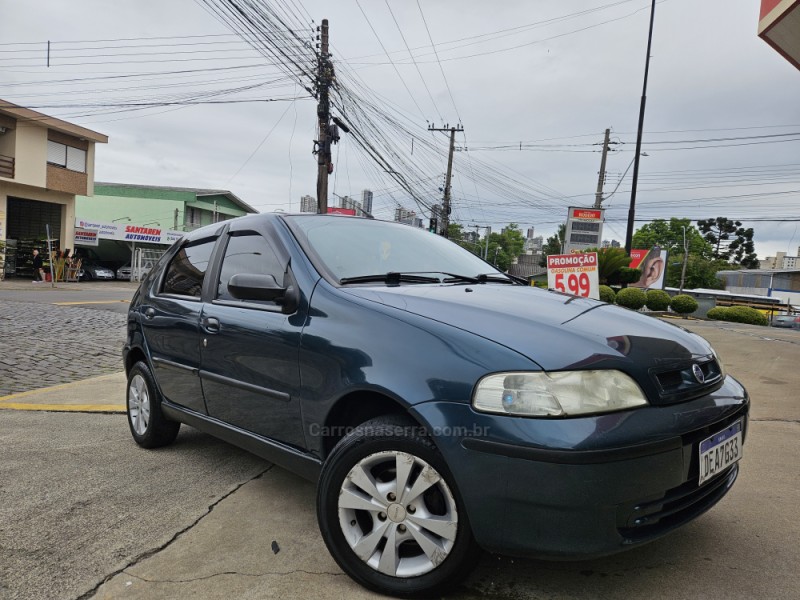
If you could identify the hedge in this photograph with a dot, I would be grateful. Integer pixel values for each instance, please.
(657, 300)
(607, 294)
(683, 304)
(633, 298)
(738, 314)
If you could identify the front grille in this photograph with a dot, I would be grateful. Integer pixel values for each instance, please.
(680, 384)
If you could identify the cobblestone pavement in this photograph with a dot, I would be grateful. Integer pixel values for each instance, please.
(43, 345)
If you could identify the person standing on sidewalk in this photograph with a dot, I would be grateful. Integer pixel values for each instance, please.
(38, 267)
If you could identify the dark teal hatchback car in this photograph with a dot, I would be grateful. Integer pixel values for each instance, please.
(440, 405)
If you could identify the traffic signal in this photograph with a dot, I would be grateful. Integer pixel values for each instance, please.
(433, 226)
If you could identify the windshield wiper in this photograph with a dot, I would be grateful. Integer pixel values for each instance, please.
(483, 278)
(390, 278)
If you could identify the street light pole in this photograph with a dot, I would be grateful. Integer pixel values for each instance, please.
(632, 209)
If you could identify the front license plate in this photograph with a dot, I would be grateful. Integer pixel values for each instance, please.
(720, 451)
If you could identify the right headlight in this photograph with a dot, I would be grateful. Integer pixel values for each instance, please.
(557, 394)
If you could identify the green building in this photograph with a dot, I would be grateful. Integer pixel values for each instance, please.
(110, 223)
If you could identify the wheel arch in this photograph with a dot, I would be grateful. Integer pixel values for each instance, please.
(356, 408)
(133, 356)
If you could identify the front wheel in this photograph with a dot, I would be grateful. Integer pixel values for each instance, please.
(149, 427)
(390, 513)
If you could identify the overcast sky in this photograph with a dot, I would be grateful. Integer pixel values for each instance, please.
(722, 126)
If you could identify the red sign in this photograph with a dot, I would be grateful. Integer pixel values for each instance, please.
(574, 274)
(636, 257)
(583, 213)
(334, 210)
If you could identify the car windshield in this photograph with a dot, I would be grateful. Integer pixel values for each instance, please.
(364, 250)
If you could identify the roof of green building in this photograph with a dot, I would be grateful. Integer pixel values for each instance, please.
(198, 192)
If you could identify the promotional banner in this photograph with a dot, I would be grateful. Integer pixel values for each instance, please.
(574, 274)
(653, 264)
(127, 232)
(86, 237)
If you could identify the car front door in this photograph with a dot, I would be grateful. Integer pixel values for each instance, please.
(249, 350)
(170, 319)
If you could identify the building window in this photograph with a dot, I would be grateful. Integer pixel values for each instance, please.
(65, 156)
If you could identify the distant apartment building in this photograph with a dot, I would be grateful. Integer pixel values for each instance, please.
(403, 215)
(349, 203)
(308, 204)
(366, 201)
(781, 261)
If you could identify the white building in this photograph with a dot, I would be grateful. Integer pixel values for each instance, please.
(308, 204)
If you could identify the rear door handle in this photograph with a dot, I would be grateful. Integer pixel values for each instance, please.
(211, 324)
(149, 313)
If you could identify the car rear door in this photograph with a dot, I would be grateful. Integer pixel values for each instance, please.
(170, 319)
(249, 350)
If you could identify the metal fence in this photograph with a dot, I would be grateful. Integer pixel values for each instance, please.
(144, 259)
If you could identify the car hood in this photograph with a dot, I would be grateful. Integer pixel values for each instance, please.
(557, 331)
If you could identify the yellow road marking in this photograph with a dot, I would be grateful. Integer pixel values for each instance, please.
(60, 386)
(91, 302)
(65, 407)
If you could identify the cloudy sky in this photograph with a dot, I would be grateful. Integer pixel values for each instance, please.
(534, 83)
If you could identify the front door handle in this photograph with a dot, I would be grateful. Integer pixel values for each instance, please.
(211, 324)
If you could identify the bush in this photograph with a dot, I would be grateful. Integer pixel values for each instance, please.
(633, 298)
(683, 304)
(627, 275)
(738, 314)
(657, 300)
(607, 294)
(718, 313)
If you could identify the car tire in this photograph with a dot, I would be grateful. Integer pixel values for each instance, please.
(149, 427)
(401, 539)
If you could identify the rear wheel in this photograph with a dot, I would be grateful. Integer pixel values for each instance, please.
(149, 427)
(390, 513)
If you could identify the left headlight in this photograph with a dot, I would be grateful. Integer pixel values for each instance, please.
(557, 394)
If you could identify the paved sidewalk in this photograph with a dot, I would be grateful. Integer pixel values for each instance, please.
(104, 394)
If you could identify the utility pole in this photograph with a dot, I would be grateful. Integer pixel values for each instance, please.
(635, 182)
(601, 179)
(323, 144)
(446, 209)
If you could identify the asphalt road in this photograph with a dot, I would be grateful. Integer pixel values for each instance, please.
(84, 513)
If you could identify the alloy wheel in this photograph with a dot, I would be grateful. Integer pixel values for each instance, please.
(397, 514)
(139, 404)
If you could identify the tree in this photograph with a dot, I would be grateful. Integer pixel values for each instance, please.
(700, 272)
(669, 236)
(504, 247)
(730, 241)
(609, 262)
(554, 244)
(742, 249)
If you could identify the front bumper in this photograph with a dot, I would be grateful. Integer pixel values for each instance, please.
(584, 487)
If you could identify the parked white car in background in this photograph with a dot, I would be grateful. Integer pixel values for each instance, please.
(124, 272)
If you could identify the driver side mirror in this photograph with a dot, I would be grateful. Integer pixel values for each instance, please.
(250, 286)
